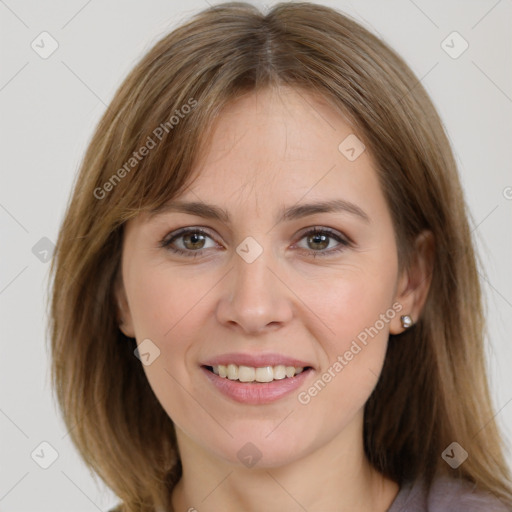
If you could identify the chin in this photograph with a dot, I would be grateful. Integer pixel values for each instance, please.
(259, 452)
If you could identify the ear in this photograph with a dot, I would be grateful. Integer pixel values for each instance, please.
(124, 317)
(414, 281)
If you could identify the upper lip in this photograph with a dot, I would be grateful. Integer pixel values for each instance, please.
(255, 360)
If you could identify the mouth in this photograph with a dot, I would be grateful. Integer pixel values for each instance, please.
(250, 374)
(256, 385)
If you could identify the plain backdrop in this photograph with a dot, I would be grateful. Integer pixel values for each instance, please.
(49, 108)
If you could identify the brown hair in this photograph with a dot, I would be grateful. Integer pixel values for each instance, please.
(433, 389)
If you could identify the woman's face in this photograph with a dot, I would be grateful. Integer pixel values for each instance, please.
(255, 287)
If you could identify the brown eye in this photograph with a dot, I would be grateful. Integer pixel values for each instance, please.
(189, 242)
(319, 242)
(193, 241)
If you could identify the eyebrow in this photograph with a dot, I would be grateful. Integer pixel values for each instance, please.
(298, 211)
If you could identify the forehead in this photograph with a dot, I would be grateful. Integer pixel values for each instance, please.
(281, 142)
(290, 124)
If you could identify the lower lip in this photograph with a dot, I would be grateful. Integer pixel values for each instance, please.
(256, 393)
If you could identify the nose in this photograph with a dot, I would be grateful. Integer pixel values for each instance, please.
(255, 298)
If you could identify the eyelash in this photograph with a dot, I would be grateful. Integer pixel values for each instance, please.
(343, 242)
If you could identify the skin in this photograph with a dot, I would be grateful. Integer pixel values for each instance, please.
(270, 150)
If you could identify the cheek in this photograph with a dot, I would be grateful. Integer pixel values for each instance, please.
(166, 309)
(162, 301)
(358, 311)
(157, 303)
(352, 302)
(356, 305)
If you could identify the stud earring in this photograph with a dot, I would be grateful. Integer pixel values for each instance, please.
(406, 321)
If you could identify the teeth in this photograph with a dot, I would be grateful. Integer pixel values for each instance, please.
(250, 374)
(265, 374)
(279, 372)
(246, 373)
(232, 372)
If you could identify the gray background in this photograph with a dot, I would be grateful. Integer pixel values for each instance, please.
(50, 108)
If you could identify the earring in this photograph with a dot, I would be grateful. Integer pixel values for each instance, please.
(406, 321)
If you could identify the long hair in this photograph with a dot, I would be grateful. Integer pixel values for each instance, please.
(433, 389)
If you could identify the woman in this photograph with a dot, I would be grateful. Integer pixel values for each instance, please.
(265, 293)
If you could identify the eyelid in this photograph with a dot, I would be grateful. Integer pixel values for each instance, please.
(324, 229)
(343, 240)
(169, 237)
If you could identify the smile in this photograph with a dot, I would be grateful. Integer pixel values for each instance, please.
(250, 374)
(244, 387)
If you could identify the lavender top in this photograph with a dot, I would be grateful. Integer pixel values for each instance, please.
(446, 495)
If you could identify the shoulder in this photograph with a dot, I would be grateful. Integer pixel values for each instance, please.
(446, 494)
(454, 494)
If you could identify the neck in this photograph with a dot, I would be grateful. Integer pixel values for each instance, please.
(336, 476)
